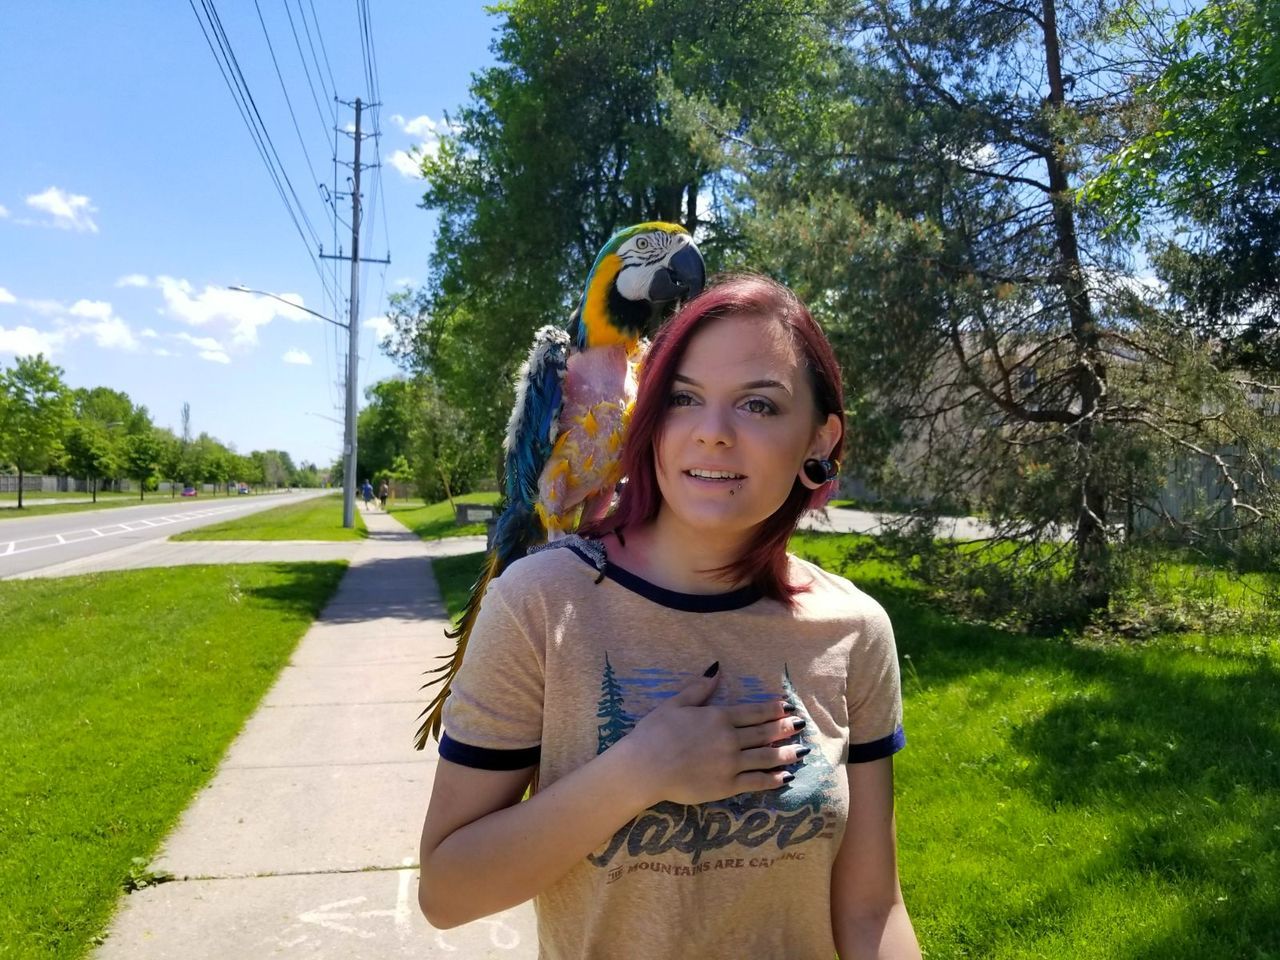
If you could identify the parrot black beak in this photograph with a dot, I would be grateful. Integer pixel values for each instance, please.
(682, 279)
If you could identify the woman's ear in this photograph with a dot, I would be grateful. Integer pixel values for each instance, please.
(826, 441)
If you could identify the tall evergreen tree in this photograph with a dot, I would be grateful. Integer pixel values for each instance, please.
(611, 710)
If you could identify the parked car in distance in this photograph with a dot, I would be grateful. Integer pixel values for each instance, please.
(188, 491)
(242, 489)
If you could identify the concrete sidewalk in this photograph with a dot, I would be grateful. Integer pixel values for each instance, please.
(306, 841)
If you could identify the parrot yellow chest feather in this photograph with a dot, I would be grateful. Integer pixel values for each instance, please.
(585, 463)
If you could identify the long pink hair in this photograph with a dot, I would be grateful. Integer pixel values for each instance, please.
(764, 563)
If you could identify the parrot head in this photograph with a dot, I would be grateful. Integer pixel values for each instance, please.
(640, 271)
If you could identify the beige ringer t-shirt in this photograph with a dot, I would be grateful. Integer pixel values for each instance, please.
(562, 664)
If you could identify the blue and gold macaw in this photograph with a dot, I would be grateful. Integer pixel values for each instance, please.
(573, 399)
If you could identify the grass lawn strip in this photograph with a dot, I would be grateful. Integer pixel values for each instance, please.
(436, 521)
(318, 518)
(42, 507)
(1060, 798)
(119, 694)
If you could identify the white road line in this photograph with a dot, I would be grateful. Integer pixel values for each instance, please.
(11, 547)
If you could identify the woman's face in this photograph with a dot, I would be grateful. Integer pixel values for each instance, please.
(740, 422)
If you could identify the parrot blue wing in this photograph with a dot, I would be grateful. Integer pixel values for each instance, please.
(534, 423)
(531, 436)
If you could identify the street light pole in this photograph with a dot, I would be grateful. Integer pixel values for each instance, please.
(262, 293)
(349, 453)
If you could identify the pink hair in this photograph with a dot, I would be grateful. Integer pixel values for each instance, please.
(764, 563)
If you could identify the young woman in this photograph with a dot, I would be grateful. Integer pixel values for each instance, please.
(708, 722)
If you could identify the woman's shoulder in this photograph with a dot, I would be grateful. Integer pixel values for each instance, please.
(554, 566)
(830, 595)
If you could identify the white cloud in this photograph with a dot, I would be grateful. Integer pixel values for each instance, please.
(428, 133)
(94, 309)
(381, 326)
(300, 357)
(162, 352)
(133, 280)
(24, 341)
(148, 333)
(409, 165)
(84, 318)
(4, 211)
(207, 347)
(200, 343)
(46, 308)
(242, 313)
(101, 323)
(418, 126)
(70, 211)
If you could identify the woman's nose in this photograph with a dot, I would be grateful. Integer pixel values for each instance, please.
(714, 428)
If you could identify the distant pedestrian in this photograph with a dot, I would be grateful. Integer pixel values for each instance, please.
(384, 491)
(366, 491)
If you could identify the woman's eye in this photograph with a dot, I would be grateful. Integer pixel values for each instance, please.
(756, 405)
(681, 400)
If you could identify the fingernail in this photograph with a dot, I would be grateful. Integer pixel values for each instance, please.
(788, 707)
(712, 670)
(798, 724)
(803, 752)
(788, 777)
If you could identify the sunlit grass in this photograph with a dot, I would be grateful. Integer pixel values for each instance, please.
(436, 520)
(317, 518)
(119, 693)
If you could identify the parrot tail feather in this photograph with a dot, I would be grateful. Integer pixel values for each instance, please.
(519, 528)
(433, 714)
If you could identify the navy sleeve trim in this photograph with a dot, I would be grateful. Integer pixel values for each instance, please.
(875, 750)
(484, 758)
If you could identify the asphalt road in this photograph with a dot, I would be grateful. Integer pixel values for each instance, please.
(30, 543)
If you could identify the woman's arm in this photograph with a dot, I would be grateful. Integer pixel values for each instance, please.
(483, 850)
(868, 918)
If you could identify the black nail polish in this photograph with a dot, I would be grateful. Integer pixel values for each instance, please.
(787, 778)
(798, 724)
(788, 708)
(712, 670)
(803, 752)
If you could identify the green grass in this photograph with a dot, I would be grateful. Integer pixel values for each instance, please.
(436, 520)
(119, 693)
(1068, 799)
(43, 507)
(455, 575)
(1061, 798)
(319, 518)
(30, 496)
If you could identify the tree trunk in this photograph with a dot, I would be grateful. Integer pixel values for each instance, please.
(444, 478)
(1092, 551)
(94, 482)
(19, 487)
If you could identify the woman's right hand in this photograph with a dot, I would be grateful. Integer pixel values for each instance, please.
(689, 752)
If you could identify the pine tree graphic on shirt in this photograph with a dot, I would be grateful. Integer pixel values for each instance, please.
(616, 722)
(814, 774)
(697, 830)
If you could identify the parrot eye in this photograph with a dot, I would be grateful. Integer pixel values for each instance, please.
(642, 243)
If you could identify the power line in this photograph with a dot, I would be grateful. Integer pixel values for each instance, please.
(324, 123)
(320, 36)
(216, 21)
(285, 90)
(228, 67)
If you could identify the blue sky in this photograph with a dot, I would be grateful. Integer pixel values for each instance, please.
(131, 195)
